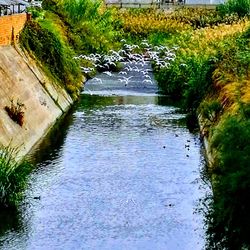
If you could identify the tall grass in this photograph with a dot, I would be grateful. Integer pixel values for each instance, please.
(79, 11)
(13, 177)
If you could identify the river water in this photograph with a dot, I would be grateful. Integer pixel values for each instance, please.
(121, 171)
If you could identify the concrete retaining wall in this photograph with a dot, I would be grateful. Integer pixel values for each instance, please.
(22, 80)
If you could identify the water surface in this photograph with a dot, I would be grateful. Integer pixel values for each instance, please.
(120, 172)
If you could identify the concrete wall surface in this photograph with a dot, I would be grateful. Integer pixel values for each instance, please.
(21, 80)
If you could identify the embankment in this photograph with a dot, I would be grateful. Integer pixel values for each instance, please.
(24, 86)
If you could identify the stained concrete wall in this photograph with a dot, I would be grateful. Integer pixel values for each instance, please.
(22, 80)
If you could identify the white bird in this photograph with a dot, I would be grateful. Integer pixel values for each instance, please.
(107, 73)
(147, 76)
(125, 80)
(122, 73)
(147, 81)
(98, 79)
(86, 70)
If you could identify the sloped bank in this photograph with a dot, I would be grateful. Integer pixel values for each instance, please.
(26, 90)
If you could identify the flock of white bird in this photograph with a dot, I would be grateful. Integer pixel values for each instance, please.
(134, 58)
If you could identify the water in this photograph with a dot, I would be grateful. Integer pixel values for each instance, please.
(120, 172)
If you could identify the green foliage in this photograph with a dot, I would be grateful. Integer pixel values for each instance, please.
(199, 82)
(78, 11)
(63, 29)
(187, 81)
(89, 25)
(229, 218)
(36, 12)
(240, 7)
(48, 46)
(172, 80)
(13, 176)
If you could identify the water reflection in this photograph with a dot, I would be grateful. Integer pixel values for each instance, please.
(50, 147)
(10, 221)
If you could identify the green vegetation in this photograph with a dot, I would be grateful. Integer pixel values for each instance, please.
(13, 177)
(239, 7)
(64, 29)
(229, 218)
(228, 225)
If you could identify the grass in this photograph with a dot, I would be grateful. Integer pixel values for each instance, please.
(13, 177)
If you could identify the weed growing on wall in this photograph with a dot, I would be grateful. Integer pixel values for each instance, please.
(16, 111)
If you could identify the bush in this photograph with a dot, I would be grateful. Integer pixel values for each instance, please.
(13, 176)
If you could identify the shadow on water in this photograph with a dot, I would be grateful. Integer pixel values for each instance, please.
(49, 147)
(10, 220)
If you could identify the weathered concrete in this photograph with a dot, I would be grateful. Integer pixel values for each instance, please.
(22, 80)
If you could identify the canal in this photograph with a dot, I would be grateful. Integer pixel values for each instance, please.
(121, 171)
